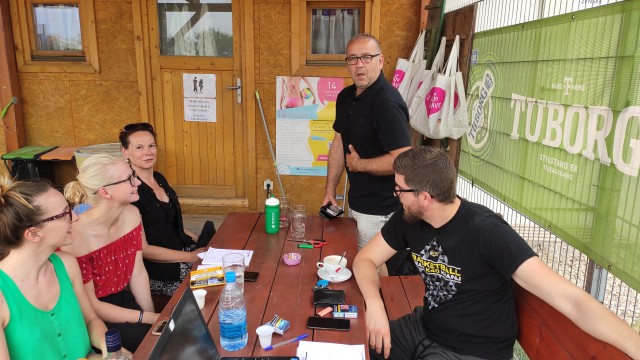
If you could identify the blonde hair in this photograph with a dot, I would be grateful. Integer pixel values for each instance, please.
(19, 210)
(94, 173)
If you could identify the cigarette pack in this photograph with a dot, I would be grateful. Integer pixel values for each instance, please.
(345, 311)
(279, 324)
(206, 277)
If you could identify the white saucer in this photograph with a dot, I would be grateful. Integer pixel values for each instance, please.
(344, 275)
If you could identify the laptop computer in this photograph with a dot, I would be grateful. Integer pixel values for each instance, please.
(187, 336)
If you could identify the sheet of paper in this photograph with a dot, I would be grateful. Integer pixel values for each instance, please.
(313, 350)
(200, 267)
(213, 256)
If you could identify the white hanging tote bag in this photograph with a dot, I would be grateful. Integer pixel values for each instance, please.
(406, 69)
(445, 104)
(417, 112)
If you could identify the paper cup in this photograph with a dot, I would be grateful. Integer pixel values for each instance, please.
(200, 295)
(264, 333)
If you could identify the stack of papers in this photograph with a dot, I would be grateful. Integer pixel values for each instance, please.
(213, 256)
(313, 350)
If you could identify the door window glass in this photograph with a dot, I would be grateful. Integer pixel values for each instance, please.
(195, 29)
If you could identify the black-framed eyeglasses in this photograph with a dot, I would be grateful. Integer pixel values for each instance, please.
(131, 179)
(352, 60)
(67, 212)
(137, 127)
(397, 191)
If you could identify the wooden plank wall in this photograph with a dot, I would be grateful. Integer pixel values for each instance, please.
(399, 27)
(68, 109)
(79, 109)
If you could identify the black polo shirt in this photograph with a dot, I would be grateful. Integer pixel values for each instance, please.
(375, 123)
(162, 226)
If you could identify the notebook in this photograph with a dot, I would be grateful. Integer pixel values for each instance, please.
(186, 336)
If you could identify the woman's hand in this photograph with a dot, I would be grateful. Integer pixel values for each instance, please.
(195, 253)
(149, 317)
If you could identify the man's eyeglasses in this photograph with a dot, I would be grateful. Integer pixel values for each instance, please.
(397, 191)
(352, 60)
(67, 212)
(137, 127)
(131, 179)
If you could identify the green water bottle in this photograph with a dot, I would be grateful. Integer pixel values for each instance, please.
(272, 215)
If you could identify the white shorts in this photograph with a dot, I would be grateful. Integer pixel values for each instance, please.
(368, 225)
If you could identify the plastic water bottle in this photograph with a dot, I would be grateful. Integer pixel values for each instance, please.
(272, 215)
(233, 315)
(114, 346)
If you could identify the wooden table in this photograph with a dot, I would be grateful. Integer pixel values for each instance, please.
(280, 289)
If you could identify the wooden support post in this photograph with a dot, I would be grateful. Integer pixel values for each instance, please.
(9, 85)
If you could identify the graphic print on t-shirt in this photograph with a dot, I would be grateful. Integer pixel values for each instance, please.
(440, 278)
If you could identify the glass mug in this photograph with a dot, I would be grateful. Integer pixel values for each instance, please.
(298, 221)
(285, 211)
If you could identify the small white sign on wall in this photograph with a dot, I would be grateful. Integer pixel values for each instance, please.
(199, 97)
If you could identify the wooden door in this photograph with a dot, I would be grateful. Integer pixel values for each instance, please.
(203, 161)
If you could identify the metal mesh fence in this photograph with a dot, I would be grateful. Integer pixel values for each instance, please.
(494, 14)
(560, 256)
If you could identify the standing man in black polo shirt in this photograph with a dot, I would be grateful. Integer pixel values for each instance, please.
(371, 129)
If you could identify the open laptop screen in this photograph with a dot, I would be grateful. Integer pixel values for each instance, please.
(186, 335)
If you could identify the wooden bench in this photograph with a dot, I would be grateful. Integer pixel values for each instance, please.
(544, 333)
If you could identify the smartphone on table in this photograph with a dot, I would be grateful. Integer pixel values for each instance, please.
(250, 276)
(157, 330)
(316, 322)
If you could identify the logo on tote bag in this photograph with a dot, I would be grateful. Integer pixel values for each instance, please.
(435, 98)
(398, 75)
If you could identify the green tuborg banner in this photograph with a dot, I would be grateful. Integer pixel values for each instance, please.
(554, 107)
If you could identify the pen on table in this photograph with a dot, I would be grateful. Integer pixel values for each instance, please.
(286, 342)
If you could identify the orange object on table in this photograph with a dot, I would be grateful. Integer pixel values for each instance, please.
(60, 153)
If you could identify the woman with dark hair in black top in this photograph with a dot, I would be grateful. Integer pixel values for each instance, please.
(171, 249)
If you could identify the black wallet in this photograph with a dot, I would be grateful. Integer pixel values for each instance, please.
(328, 297)
(329, 212)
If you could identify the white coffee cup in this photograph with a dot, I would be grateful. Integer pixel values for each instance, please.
(200, 295)
(333, 266)
(265, 332)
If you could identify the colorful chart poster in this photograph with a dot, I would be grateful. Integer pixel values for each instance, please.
(199, 97)
(305, 112)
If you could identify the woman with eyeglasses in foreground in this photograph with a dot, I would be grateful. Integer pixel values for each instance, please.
(108, 246)
(172, 249)
(44, 310)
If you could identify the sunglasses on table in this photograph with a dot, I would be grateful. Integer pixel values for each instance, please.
(67, 212)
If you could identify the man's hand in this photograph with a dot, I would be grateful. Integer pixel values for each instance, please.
(378, 331)
(353, 160)
(329, 198)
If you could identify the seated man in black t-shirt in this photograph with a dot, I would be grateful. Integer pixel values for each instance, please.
(467, 256)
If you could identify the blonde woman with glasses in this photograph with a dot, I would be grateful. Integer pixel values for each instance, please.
(44, 310)
(108, 246)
